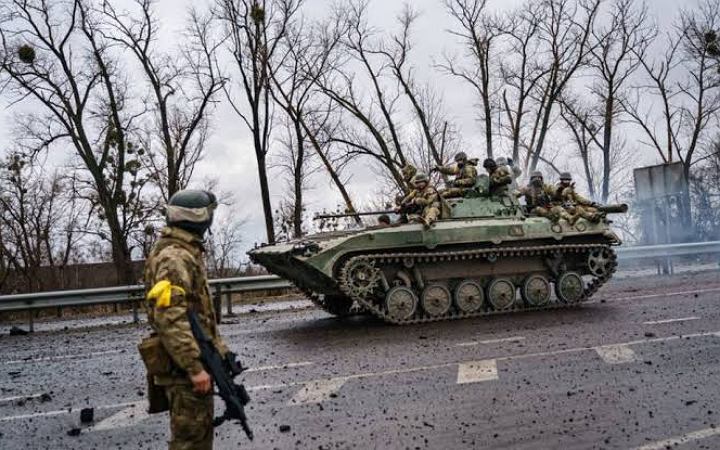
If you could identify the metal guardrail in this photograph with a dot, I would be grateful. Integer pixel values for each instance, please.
(229, 286)
(668, 250)
(133, 294)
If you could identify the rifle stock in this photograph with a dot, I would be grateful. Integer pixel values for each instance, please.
(222, 371)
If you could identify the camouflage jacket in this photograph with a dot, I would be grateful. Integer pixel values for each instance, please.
(465, 176)
(537, 196)
(500, 179)
(426, 198)
(567, 195)
(178, 257)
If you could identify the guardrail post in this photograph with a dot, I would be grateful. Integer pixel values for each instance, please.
(136, 317)
(217, 303)
(31, 322)
(228, 299)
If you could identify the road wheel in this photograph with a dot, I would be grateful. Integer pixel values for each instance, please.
(401, 303)
(600, 262)
(501, 293)
(536, 291)
(469, 296)
(569, 287)
(436, 300)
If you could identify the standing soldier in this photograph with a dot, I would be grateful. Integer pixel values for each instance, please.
(176, 279)
(500, 177)
(538, 198)
(465, 175)
(425, 198)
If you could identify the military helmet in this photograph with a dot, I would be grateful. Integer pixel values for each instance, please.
(565, 176)
(420, 177)
(191, 210)
(502, 161)
(489, 163)
(536, 174)
(460, 157)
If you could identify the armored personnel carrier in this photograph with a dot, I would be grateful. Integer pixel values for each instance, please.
(472, 262)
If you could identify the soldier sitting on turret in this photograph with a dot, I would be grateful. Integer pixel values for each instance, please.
(514, 171)
(424, 199)
(500, 177)
(539, 200)
(575, 203)
(465, 175)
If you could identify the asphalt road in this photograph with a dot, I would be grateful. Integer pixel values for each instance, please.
(637, 367)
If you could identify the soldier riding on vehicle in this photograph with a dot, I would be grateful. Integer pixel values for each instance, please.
(500, 177)
(573, 202)
(465, 175)
(539, 200)
(423, 201)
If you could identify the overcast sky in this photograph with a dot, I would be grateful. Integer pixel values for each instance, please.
(230, 156)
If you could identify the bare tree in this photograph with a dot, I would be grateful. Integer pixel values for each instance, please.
(477, 32)
(39, 219)
(223, 244)
(307, 52)
(54, 53)
(183, 86)
(684, 83)
(255, 30)
(616, 51)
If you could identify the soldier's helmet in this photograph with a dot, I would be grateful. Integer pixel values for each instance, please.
(489, 163)
(502, 161)
(461, 157)
(536, 174)
(191, 210)
(420, 178)
(565, 176)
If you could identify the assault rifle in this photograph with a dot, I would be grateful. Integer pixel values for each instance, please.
(222, 371)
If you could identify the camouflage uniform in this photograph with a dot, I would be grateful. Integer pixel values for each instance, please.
(465, 178)
(426, 199)
(500, 180)
(580, 206)
(539, 201)
(178, 257)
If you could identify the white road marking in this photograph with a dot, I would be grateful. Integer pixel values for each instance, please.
(64, 411)
(124, 418)
(682, 439)
(490, 341)
(20, 397)
(666, 294)
(63, 357)
(616, 354)
(280, 366)
(681, 319)
(477, 371)
(317, 391)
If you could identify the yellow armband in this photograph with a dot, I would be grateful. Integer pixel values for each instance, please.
(161, 293)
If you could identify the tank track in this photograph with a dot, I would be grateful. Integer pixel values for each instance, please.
(440, 256)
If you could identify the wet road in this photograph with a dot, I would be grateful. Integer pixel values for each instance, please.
(637, 367)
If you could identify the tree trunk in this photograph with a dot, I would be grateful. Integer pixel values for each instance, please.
(607, 142)
(298, 179)
(265, 195)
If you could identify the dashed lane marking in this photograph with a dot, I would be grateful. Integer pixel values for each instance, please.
(20, 397)
(124, 418)
(63, 357)
(682, 439)
(317, 391)
(681, 319)
(490, 341)
(64, 411)
(280, 366)
(616, 354)
(665, 294)
(477, 371)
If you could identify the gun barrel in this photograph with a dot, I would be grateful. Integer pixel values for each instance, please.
(352, 214)
(614, 209)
